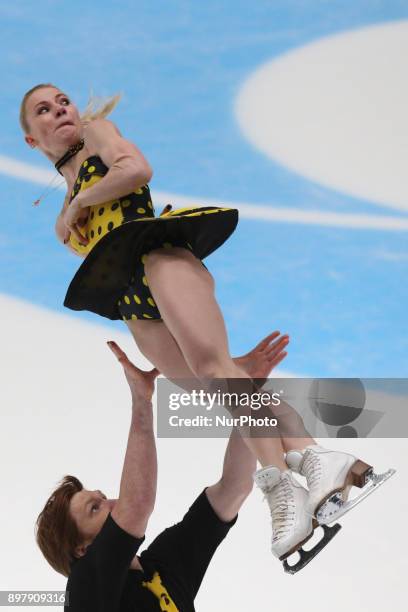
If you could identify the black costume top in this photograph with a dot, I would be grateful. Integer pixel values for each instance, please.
(174, 565)
(101, 580)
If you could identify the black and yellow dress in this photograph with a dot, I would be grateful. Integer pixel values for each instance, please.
(111, 280)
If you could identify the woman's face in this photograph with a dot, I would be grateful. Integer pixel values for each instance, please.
(53, 120)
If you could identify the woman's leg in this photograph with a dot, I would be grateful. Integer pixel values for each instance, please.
(157, 344)
(184, 293)
(226, 496)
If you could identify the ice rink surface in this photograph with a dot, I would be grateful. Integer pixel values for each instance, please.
(294, 112)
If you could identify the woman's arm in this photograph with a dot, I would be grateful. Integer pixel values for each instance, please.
(128, 168)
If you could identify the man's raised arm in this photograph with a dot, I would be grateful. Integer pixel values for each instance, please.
(139, 475)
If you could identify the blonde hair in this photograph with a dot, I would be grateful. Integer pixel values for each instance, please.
(99, 107)
(96, 108)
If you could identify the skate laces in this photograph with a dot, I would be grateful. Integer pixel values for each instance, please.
(312, 468)
(281, 502)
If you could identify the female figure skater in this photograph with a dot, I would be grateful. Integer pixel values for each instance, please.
(148, 271)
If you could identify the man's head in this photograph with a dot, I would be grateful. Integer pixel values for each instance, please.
(70, 520)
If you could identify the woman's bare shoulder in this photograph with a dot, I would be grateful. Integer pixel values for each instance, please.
(99, 127)
(102, 137)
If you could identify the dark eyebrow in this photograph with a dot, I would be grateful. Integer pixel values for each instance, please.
(45, 101)
(86, 504)
(91, 500)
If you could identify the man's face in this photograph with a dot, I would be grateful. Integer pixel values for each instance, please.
(90, 510)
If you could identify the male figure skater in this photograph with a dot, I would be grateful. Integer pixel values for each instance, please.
(94, 540)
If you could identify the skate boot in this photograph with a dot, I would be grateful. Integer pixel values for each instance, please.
(330, 476)
(291, 525)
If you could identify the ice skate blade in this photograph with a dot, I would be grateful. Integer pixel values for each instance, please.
(307, 555)
(335, 506)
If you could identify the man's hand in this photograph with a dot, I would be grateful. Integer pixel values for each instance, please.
(141, 382)
(266, 355)
(258, 364)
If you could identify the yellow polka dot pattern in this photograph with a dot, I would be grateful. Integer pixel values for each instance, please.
(137, 303)
(105, 217)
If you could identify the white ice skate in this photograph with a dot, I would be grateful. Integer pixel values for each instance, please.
(291, 525)
(330, 476)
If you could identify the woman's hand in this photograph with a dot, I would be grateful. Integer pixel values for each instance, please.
(141, 382)
(64, 234)
(61, 229)
(76, 216)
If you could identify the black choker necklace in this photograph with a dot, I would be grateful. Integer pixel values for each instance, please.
(73, 150)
